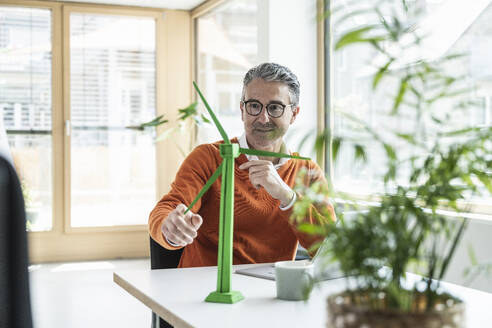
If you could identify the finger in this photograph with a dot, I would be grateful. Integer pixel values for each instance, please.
(178, 235)
(185, 227)
(261, 173)
(258, 177)
(188, 219)
(197, 221)
(181, 208)
(251, 163)
(259, 168)
(255, 182)
(172, 237)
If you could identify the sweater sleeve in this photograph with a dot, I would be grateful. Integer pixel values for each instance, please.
(318, 213)
(195, 171)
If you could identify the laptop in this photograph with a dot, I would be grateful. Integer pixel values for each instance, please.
(323, 271)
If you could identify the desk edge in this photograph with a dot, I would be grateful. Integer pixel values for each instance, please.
(150, 303)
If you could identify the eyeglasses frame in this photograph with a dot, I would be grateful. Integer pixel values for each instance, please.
(264, 106)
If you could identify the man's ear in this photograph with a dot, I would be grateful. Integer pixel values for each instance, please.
(294, 114)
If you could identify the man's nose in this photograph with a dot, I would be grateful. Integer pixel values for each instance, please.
(263, 117)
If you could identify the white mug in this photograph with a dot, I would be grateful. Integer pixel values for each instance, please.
(294, 279)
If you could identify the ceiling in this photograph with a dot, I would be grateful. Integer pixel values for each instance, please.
(167, 4)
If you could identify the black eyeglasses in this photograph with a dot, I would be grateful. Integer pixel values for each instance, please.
(254, 108)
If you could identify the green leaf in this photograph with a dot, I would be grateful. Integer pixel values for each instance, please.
(454, 56)
(401, 93)
(459, 132)
(269, 153)
(152, 123)
(405, 5)
(485, 179)
(209, 183)
(380, 73)
(357, 35)
(155, 122)
(337, 142)
(436, 119)
(205, 119)
(390, 151)
(321, 141)
(214, 118)
(311, 229)
(471, 255)
(360, 153)
(407, 137)
(189, 111)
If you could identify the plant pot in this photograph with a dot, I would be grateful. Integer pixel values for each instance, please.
(342, 312)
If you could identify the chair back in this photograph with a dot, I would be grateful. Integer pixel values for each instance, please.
(162, 258)
(15, 305)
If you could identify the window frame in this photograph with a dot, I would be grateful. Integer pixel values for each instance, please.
(83, 9)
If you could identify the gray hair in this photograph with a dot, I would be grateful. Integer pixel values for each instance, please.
(271, 72)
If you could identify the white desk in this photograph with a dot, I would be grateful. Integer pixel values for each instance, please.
(177, 295)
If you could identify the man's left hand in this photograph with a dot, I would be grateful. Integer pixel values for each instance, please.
(263, 174)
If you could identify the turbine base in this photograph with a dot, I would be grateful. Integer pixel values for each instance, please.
(228, 298)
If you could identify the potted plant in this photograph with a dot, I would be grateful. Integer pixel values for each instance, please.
(186, 116)
(408, 230)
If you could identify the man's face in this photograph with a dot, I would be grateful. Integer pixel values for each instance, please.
(264, 130)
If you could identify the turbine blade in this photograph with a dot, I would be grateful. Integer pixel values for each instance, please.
(268, 153)
(214, 118)
(209, 183)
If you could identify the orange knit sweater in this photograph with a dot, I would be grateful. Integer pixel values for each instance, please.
(262, 231)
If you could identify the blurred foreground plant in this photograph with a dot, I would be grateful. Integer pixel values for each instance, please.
(449, 162)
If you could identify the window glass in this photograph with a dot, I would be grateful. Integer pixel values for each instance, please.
(112, 87)
(25, 106)
(354, 67)
(239, 34)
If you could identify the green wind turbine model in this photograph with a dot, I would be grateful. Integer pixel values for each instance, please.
(228, 151)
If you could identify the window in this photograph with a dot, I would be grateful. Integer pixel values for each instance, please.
(75, 81)
(25, 106)
(112, 86)
(239, 34)
(352, 90)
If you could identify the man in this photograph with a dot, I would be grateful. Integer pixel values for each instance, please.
(263, 195)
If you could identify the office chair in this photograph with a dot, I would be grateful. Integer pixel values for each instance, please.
(15, 305)
(161, 258)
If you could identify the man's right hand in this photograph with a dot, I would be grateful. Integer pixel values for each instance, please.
(180, 228)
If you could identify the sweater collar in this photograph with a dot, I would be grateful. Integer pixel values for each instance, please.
(243, 143)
